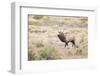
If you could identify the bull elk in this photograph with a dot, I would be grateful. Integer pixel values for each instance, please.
(65, 39)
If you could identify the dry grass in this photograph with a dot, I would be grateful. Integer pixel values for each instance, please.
(44, 43)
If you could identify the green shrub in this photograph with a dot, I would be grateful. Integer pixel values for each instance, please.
(48, 53)
(33, 56)
(38, 17)
(79, 51)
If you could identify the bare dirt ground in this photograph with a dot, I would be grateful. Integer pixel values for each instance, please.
(44, 43)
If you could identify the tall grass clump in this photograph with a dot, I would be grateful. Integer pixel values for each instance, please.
(39, 44)
(46, 53)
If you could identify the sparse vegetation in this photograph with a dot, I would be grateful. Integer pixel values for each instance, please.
(38, 17)
(44, 43)
(39, 44)
(46, 53)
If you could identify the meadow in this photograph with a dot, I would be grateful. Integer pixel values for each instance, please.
(44, 43)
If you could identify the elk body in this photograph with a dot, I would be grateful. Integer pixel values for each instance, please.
(64, 38)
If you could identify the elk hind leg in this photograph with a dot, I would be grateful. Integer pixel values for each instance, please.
(73, 43)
